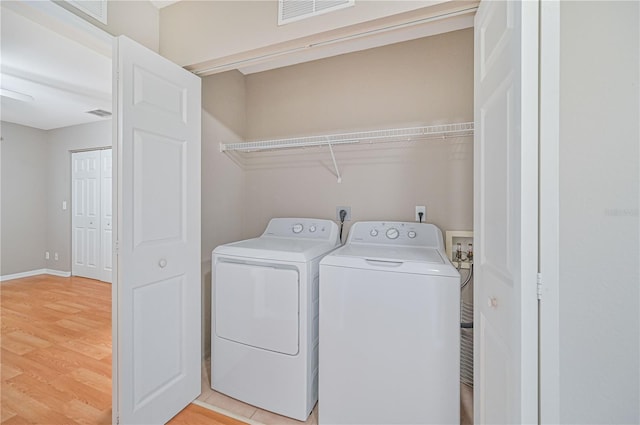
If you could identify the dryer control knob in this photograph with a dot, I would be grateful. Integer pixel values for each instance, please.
(411, 234)
(312, 228)
(374, 232)
(393, 233)
(297, 228)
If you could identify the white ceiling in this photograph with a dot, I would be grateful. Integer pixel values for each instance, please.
(64, 78)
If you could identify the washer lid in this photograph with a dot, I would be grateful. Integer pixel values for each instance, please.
(276, 248)
(399, 259)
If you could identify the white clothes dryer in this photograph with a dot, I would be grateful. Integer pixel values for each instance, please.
(389, 328)
(264, 334)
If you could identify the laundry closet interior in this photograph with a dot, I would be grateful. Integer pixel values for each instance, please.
(422, 82)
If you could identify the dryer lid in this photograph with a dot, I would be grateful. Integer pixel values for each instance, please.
(287, 239)
(275, 248)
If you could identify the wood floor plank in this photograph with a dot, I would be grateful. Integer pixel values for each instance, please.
(31, 409)
(16, 420)
(95, 351)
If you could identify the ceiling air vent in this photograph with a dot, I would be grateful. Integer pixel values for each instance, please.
(294, 10)
(97, 9)
(100, 113)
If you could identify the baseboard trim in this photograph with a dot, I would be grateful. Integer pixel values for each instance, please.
(34, 273)
(58, 273)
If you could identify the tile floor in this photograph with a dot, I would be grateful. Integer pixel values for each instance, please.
(253, 415)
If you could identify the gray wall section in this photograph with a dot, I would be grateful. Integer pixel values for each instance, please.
(61, 142)
(24, 199)
(36, 179)
(599, 330)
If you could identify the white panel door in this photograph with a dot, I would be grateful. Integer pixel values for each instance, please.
(157, 317)
(85, 214)
(106, 216)
(506, 212)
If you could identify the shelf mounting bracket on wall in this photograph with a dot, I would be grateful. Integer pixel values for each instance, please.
(335, 164)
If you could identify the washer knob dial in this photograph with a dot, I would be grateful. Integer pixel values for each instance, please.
(411, 234)
(297, 228)
(393, 233)
(312, 228)
(374, 232)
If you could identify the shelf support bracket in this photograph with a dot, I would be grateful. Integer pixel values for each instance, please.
(335, 164)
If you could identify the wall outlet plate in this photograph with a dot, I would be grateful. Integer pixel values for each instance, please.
(347, 209)
(421, 209)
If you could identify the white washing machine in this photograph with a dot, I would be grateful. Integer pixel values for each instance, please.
(264, 334)
(389, 328)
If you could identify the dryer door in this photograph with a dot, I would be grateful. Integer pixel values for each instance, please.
(257, 306)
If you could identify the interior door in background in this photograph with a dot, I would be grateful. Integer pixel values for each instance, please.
(85, 214)
(506, 212)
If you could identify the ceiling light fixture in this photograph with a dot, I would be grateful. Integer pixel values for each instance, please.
(100, 113)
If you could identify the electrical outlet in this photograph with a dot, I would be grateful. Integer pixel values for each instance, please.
(46, 255)
(55, 256)
(421, 209)
(347, 209)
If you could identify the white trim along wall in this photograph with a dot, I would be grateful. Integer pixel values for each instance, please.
(34, 273)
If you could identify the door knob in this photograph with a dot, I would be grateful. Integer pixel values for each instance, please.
(162, 263)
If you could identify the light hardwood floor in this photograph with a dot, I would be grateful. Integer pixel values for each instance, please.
(56, 354)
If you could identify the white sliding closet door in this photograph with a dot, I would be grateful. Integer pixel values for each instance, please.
(91, 214)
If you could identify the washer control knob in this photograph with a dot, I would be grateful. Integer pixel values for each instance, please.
(411, 234)
(297, 228)
(374, 232)
(312, 228)
(393, 233)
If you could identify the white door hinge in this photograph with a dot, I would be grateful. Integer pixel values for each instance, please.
(539, 286)
(116, 247)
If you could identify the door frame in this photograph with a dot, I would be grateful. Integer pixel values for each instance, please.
(549, 214)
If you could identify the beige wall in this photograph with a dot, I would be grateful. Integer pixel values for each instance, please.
(197, 31)
(23, 204)
(599, 236)
(421, 82)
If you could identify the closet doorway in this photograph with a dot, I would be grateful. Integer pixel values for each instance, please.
(91, 215)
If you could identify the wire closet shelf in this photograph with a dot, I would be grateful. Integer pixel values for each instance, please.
(387, 135)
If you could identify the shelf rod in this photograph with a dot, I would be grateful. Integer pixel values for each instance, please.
(397, 134)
